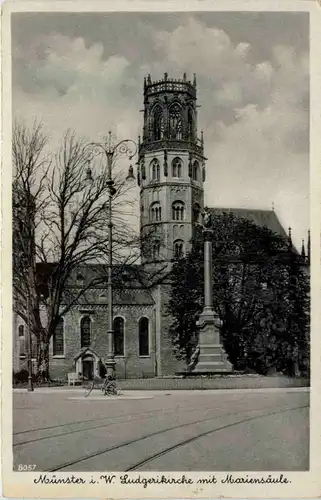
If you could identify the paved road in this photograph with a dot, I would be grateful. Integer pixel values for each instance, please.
(161, 431)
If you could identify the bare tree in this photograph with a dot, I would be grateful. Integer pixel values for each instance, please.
(60, 225)
(29, 200)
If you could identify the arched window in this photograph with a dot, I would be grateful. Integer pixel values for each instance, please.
(190, 124)
(196, 212)
(175, 122)
(155, 251)
(196, 171)
(58, 339)
(154, 170)
(177, 167)
(158, 124)
(155, 212)
(178, 209)
(178, 249)
(143, 327)
(85, 331)
(22, 344)
(118, 336)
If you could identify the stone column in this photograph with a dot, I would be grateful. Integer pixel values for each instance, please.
(212, 356)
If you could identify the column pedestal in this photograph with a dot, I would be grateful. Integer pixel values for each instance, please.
(212, 356)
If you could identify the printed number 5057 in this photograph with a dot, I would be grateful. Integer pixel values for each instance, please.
(25, 467)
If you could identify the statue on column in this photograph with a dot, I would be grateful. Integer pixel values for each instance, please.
(207, 218)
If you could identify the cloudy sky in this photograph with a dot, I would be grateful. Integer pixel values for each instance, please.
(85, 71)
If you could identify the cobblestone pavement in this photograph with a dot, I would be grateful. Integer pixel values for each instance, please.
(241, 430)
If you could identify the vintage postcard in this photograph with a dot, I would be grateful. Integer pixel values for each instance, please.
(161, 249)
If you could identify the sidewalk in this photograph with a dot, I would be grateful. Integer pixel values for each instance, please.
(139, 394)
(246, 382)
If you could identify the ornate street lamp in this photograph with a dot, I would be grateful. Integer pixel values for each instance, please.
(126, 147)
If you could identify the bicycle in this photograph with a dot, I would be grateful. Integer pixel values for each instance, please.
(108, 388)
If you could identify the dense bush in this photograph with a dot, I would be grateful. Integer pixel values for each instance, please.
(21, 377)
(260, 291)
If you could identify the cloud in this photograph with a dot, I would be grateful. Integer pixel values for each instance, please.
(72, 85)
(254, 113)
(255, 118)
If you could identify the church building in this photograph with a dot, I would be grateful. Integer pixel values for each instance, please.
(171, 172)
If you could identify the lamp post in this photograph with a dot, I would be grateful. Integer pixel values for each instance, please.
(126, 147)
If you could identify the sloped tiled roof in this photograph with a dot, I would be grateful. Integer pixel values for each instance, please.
(262, 218)
(130, 274)
(128, 296)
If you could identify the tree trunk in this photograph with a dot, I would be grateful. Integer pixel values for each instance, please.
(43, 360)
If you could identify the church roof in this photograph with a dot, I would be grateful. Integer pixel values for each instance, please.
(130, 296)
(262, 218)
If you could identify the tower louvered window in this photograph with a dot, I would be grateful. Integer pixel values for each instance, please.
(178, 209)
(196, 171)
(158, 124)
(175, 122)
(196, 212)
(155, 212)
(155, 170)
(177, 167)
(178, 249)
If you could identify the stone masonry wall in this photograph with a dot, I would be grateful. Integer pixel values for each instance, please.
(128, 366)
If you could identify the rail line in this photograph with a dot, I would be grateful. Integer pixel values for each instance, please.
(77, 422)
(92, 420)
(202, 434)
(163, 431)
(74, 431)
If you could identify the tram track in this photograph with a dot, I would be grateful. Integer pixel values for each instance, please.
(74, 431)
(177, 445)
(155, 456)
(75, 423)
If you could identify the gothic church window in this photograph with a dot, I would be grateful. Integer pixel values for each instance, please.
(158, 124)
(178, 209)
(177, 167)
(143, 328)
(21, 333)
(178, 249)
(175, 122)
(155, 212)
(58, 339)
(154, 170)
(85, 331)
(196, 171)
(118, 336)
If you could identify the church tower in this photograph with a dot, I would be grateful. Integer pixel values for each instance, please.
(171, 168)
